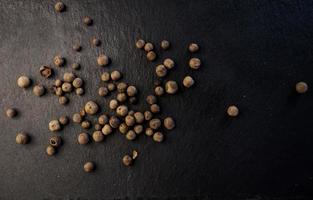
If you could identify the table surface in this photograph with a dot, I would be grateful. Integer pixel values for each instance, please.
(253, 53)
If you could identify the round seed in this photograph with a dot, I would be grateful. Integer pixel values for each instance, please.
(193, 47)
(159, 90)
(123, 128)
(78, 82)
(149, 131)
(87, 21)
(130, 120)
(39, 90)
(151, 55)
(58, 83)
(58, 91)
(59, 7)
(148, 115)
(122, 110)
(105, 76)
(23, 82)
(67, 87)
(161, 71)
(91, 108)
(121, 97)
(45, 71)
(155, 108)
(114, 122)
(113, 104)
(63, 120)
(122, 87)
(116, 75)
(169, 123)
(165, 44)
(69, 77)
(131, 112)
(98, 136)
(148, 47)
(11, 112)
(77, 47)
(76, 66)
(158, 137)
(107, 129)
(96, 42)
(140, 43)
(139, 117)
(86, 124)
(103, 119)
(127, 160)
(130, 135)
(138, 129)
(194, 63)
(50, 150)
(63, 100)
(111, 87)
(151, 99)
(98, 127)
(79, 91)
(59, 61)
(55, 141)
(82, 112)
(77, 118)
(22, 138)
(168, 63)
(103, 60)
(188, 81)
(131, 90)
(83, 138)
(171, 87)
(54, 125)
(302, 87)
(89, 167)
(232, 111)
(155, 123)
(103, 91)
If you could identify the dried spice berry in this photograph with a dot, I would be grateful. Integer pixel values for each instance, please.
(59, 7)
(107, 129)
(111, 87)
(105, 76)
(171, 87)
(140, 43)
(131, 90)
(302, 87)
(89, 167)
(83, 138)
(148, 47)
(168, 63)
(45, 71)
(113, 104)
(133, 100)
(123, 128)
(155, 123)
(78, 82)
(158, 137)
(79, 91)
(194, 63)
(127, 160)
(54, 125)
(50, 150)
(97, 136)
(77, 47)
(159, 90)
(122, 110)
(151, 55)
(67, 87)
(39, 90)
(188, 81)
(169, 123)
(98, 127)
(103, 119)
(87, 21)
(58, 91)
(59, 61)
(103, 91)
(160, 70)
(130, 120)
(114, 121)
(121, 97)
(139, 117)
(155, 108)
(103, 60)
(91, 108)
(63, 100)
(11, 112)
(63, 120)
(232, 111)
(138, 129)
(116, 75)
(58, 83)
(22, 138)
(131, 112)
(86, 124)
(76, 66)
(148, 115)
(165, 44)
(130, 135)
(82, 112)
(77, 118)
(95, 41)
(55, 141)
(151, 99)
(193, 47)
(69, 77)
(23, 82)
(122, 87)
(149, 131)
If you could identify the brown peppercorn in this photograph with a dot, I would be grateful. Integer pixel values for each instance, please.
(155, 123)
(89, 167)
(77, 47)
(116, 75)
(155, 108)
(169, 123)
(140, 43)
(122, 87)
(95, 41)
(103, 91)
(69, 77)
(111, 87)
(148, 47)
(11, 112)
(165, 44)
(130, 120)
(83, 138)
(91, 108)
(55, 141)
(151, 99)
(127, 160)
(131, 91)
(171, 87)
(232, 111)
(22, 138)
(148, 115)
(58, 91)
(130, 135)
(23, 82)
(139, 117)
(39, 90)
(58, 83)
(45, 71)
(188, 81)
(59, 61)
(50, 150)
(160, 70)
(63, 120)
(59, 7)
(77, 118)
(105, 76)
(123, 128)
(54, 125)
(121, 97)
(193, 47)
(151, 55)
(78, 82)
(107, 129)
(87, 21)
(98, 127)
(158, 137)
(82, 112)
(114, 121)
(79, 91)
(113, 104)
(159, 90)
(138, 129)
(76, 66)
(67, 87)
(194, 63)
(103, 60)
(168, 63)
(302, 87)
(63, 100)
(103, 119)
(86, 124)
(149, 131)
(122, 110)
(97, 136)
(133, 100)
(131, 112)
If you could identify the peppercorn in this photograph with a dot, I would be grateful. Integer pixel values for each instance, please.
(232, 111)
(54, 125)
(58, 91)
(39, 90)
(58, 83)
(113, 104)
(87, 21)
(130, 120)
(131, 112)
(121, 87)
(107, 129)
(168, 63)
(76, 66)
(98, 136)
(95, 41)
(105, 76)
(302, 87)
(139, 117)
(63, 100)
(59, 7)
(133, 100)
(22, 138)
(171, 87)
(194, 63)
(77, 47)
(89, 167)
(130, 135)
(86, 124)
(159, 90)
(169, 123)
(111, 87)
(138, 129)
(55, 141)
(160, 71)
(103, 119)
(148, 47)
(91, 108)
(69, 77)
(149, 131)
(123, 128)
(151, 99)
(23, 82)
(50, 150)
(103, 60)
(45, 71)
(114, 122)
(131, 91)
(11, 112)
(116, 75)
(63, 120)
(103, 91)
(67, 87)
(151, 55)
(165, 44)
(98, 127)
(82, 112)
(121, 97)
(77, 118)
(188, 81)
(79, 91)
(78, 82)
(59, 61)
(135, 154)
(148, 115)
(193, 47)
(140, 43)
(158, 137)
(122, 110)
(155, 108)
(155, 123)
(83, 138)
(127, 160)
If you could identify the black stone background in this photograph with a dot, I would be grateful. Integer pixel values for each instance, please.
(253, 53)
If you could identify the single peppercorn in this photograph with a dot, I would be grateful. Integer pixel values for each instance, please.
(148, 47)
(140, 43)
(165, 44)
(107, 129)
(50, 150)
(122, 110)
(77, 118)
(97, 136)
(158, 137)
(103, 60)
(159, 90)
(123, 128)
(39, 90)
(139, 117)
(130, 135)
(232, 111)
(138, 129)
(127, 160)
(116, 75)
(22, 138)
(171, 87)
(149, 131)
(194, 63)
(69, 77)
(103, 119)
(45, 71)
(151, 55)
(89, 167)
(58, 61)
(95, 41)
(160, 70)
(193, 47)
(131, 90)
(169, 123)
(168, 63)
(121, 97)
(83, 138)
(113, 104)
(11, 112)
(86, 124)
(63, 120)
(79, 91)
(148, 115)
(23, 82)
(91, 108)
(58, 83)
(63, 100)
(67, 87)
(133, 100)
(82, 112)
(155, 108)
(78, 82)
(131, 112)
(155, 123)
(54, 125)
(114, 121)
(59, 7)
(151, 99)
(188, 81)
(98, 127)
(76, 66)
(111, 87)
(122, 87)
(77, 47)
(130, 120)
(87, 21)
(55, 141)
(105, 76)
(58, 91)
(302, 87)
(103, 91)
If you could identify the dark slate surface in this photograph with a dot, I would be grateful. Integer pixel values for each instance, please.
(253, 53)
